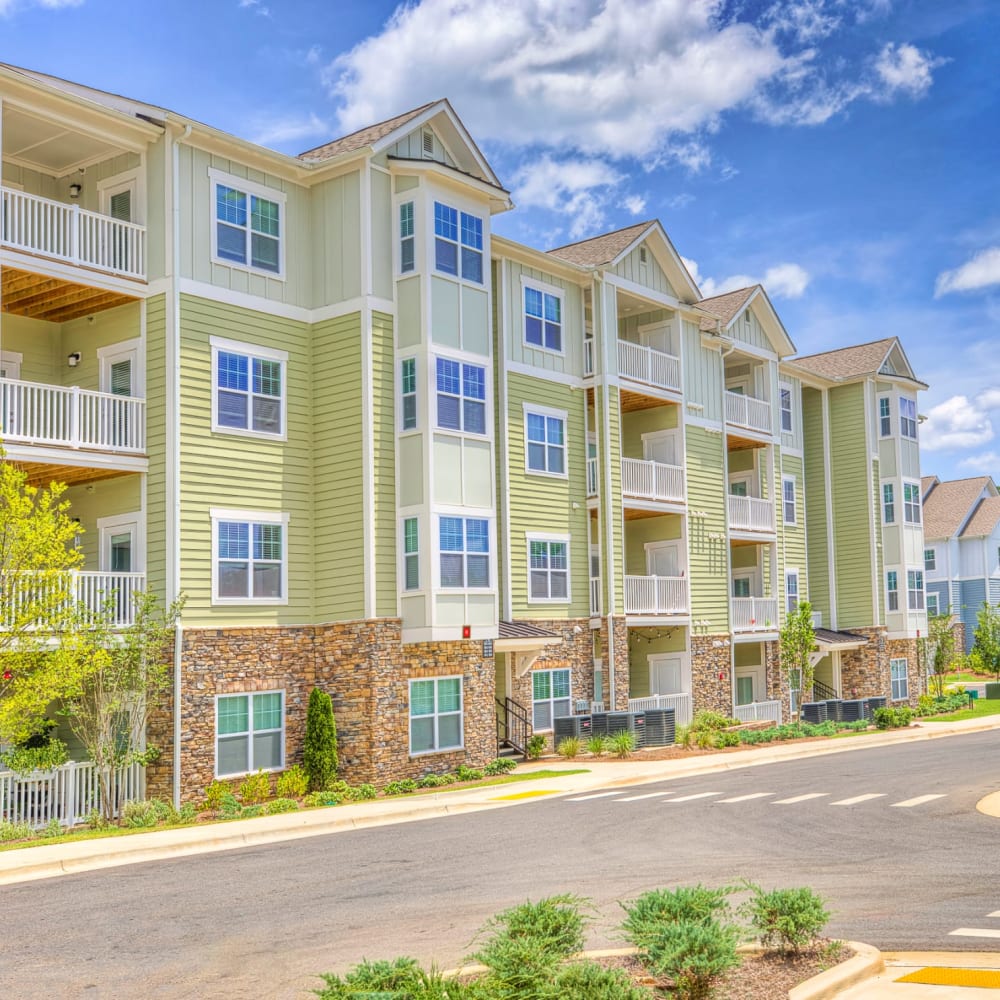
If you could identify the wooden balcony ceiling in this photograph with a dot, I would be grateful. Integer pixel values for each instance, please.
(37, 296)
(631, 401)
(734, 442)
(634, 514)
(43, 473)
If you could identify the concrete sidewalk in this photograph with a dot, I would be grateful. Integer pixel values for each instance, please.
(959, 970)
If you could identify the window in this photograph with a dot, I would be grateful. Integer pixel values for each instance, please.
(248, 394)
(407, 241)
(250, 563)
(411, 553)
(785, 397)
(930, 559)
(884, 416)
(933, 608)
(548, 570)
(892, 590)
(435, 714)
(249, 733)
(549, 697)
(545, 441)
(542, 319)
(911, 503)
(461, 396)
(408, 392)
(915, 589)
(788, 500)
(458, 239)
(908, 417)
(791, 590)
(741, 586)
(900, 683)
(247, 227)
(465, 552)
(888, 504)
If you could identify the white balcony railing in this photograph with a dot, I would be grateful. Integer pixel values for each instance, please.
(656, 595)
(647, 365)
(750, 514)
(748, 411)
(595, 596)
(759, 711)
(680, 703)
(588, 357)
(591, 477)
(35, 413)
(755, 614)
(90, 591)
(646, 480)
(70, 233)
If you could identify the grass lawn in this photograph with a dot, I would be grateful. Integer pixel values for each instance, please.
(964, 677)
(981, 708)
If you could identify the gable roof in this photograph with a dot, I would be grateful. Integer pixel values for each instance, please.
(363, 136)
(603, 249)
(726, 306)
(847, 363)
(949, 504)
(730, 305)
(984, 519)
(927, 483)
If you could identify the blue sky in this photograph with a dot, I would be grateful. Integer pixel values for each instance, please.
(844, 152)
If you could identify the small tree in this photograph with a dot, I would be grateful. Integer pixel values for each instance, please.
(987, 638)
(797, 640)
(319, 749)
(939, 649)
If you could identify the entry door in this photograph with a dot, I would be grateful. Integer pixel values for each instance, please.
(119, 541)
(739, 487)
(667, 674)
(120, 377)
(744, 690)
(10, 367)
(661, 448)
(664, 559)
(660, 338)
(119, 203)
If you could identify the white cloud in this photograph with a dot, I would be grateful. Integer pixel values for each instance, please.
(981, 271)
(278, 131)
(634, 204)
(257, 7)
(986, 463)
(8, 7)
(783, 281)
(958, 422)
(807, 20)
(904, 68)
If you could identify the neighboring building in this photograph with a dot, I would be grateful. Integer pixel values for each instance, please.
(961, 548)
(451, 479)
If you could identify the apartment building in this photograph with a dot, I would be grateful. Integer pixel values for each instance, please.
(458, 482)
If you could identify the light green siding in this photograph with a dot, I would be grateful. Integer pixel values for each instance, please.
(817, 489)
(702, 375)
(651, 421)
(649, 530)
(793, 439)
(408, 310)
(708, 558)
(158, 210)
(411, 147)
(39, 343)
(104, 498)
(746, 328)
(109, 327)
(792, 537)
(445, 323)
(384, 465)
(336, 240)
(645, 643)
(613, 565)
(156, 447)
(648, 274)
(875, 501)
(381, 222)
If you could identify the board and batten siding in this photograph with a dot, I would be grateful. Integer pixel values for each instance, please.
(547, 504)
(708, 559)
(156, 448)
(243, 472)
(747, 328)
(816, 494)
(648, 274)
(384, 465)
(703, 376)
(335, 249)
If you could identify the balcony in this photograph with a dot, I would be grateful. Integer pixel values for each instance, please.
(755, 614)
(649, 366)
(656, 595)
(595, 596)
(35, 413)
(90, 591)
(646, 480)
(750, 514)
(591, 477)
(71, 234)
(749, 412)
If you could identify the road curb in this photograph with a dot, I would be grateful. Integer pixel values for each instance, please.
(865, 963)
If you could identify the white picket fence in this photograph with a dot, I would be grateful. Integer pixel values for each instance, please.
(759, 711)
(748, 411)
(680, 703)
(67, 794)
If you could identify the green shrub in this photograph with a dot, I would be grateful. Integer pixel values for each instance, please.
(432, 781)
(255, 788)
(403, 787)
(788, 919)
(215, 793)
(322, 799)
(293, 783)
(139, 815)
(536, 745)
(893, 718)
(97, 821)
(658, 907)
(15, 831)
(704, 739)
(229, 807)
(339, 787)
(465, 773)
(590, 981)
(363, 792)
(448, 779)
(400, 979)
(706, 719)
(502, 765)
(925, 704)
(281, 805)
(597, 745)
(319, 745)
(727, 738)
(251, 812)
(43, 757)
(569, 747)
(684, 737)
(188, 813)
(694, 955)
(623, 744)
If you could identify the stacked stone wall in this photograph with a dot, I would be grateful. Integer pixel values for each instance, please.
(864, 672)
(916, 668)
(711, 673)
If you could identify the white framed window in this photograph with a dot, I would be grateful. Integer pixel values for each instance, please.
(407, 238)
(248, 389)
(884, 416)
(930, 559)
(458, 243)
(908, 417)
(408, 393)
(435, 715)
(247, 225)
(461, 396)
(411, 553)
(543, 318)
(915, 589)
(742, 586)
(548, 568)
(900, 681)
(550, 698)
(791, 590)
(933, 607)
(785, 399)
(788, 500)
(911, 503)
(888, 504)
(464, 545)
(892, 590)
(545, 440)
(249, 733)
(249, 557)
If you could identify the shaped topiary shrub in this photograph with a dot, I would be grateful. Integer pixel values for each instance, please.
(319, 748)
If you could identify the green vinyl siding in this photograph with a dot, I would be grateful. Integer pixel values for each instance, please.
(703, 375)
(707, 550)
(644, 643)
(156, 446)
(851, 489)
(338, 486)
(243, 472)
(792, 537)
(875, 501)
(39, 344)
(816, 493)
(547, 504)
(613, 567)
(104, 498)
(648, 274)
(109, 327)
(384, 465)
(381, 213)
(749, 333)
(645, 531)
(336, 239)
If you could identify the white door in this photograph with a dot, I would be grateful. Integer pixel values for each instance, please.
(120, 376)
(120, 553)
(660, 338)
(664, 559)
(10, 367)
(662, 448)
(667, 674)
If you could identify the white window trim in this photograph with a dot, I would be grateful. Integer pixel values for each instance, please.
(792, 572)
(106, 525)
(403, 555)
(476, 211)
(462, 358)
(786, 387)
(750, 575)
(284, 730)
(550, 701)
(218, 514)
(248, 187)
(546, 411)
(933, 551)
(920, 506)
(929, 596)
(410, 198)
(906, 678)
(126, 180)
(915, 419)
(106, 354)
(878, 415)
(252, 351)
(466, 514)
(461, 715)
(536, 536)
(559, 293)
(795, 504)
(919, 591)
(897, 609)
(416, 392)
(895, 502)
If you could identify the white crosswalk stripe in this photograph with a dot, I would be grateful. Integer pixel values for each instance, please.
(995, 913)
(918, 801)
(981, 932)
(595, 795)
(853, 801)
(697, 795)
(648, 795)
(746, 798)
(671, 796)
(801, 798)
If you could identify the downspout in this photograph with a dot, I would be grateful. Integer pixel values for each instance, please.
(604, 497)
(724, 353)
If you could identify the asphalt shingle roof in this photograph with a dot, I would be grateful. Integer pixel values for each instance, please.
(949, 504)
(725, 306)
(601, 249)
(363, 137)
(848, 362)
(984, 520)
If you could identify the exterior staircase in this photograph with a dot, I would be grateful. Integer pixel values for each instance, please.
(513, 729)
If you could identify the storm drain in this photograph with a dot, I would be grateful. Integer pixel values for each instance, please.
(935, 976)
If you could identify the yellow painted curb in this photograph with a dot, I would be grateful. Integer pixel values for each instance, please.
(526, 795)
(935, 976)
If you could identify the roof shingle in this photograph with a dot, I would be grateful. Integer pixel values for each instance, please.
(363, 137)
(984, 520)
(522, 630)
(725, 306)
(601, 249)
(948, 505)
(848, 362)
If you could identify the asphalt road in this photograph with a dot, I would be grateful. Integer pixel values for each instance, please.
(890, 836)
